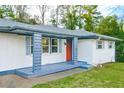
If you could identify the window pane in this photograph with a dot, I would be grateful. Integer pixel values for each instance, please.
(99, 46)
(99, 42)
(54, 42)
(54, 49)
(45, 41)
(110, 44)
(45, 49)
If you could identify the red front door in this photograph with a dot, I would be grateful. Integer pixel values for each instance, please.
(69, 50)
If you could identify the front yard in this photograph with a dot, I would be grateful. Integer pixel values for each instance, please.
(110, 75)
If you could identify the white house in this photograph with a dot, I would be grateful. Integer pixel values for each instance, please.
(24, 45)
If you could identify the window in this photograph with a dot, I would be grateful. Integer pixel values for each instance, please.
(45, 45)
(29, 45)
(48, 45)
(54, 45)
(100, 44)
(110, 44)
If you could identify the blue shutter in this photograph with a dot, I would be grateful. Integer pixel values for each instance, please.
(60, 45)
(28, 46)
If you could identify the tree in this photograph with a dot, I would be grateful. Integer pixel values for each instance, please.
(70, 20)
(6, 11)
(121, 24)
(110, 25)
(79, 16)
(22, 15)
(79, 12)
(90, 16)
(53, 18)
(43, 10)
(120, 44)
(58, 13)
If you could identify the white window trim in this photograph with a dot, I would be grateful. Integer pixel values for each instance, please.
(59, 46)
(99, 44)
(55, 45)
(49, 46)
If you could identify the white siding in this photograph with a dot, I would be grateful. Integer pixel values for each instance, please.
(103, 55)
(87, 51)
(13, 53)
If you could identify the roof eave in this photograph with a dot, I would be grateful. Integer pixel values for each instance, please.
(100, 38)
(89, 37)
(110, 38)
(12, 29)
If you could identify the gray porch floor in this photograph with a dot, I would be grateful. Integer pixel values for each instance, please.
(51, 68)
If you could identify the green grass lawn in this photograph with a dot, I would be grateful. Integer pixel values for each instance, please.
(110, 75)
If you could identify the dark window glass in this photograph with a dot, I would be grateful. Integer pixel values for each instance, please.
(54, 49)
(99, 46)
(54, 46)
(54, 41)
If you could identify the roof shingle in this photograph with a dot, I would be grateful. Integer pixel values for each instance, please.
(9, 24)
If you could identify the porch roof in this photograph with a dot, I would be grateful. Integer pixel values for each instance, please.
(10, 26)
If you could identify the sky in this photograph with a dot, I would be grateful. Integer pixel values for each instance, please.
(111, 10)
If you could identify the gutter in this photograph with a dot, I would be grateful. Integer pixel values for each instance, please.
(10, 29)
(89, 37)
(41, 31)
(100, 38)
(6, 28)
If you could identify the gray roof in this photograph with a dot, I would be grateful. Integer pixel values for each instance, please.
(91, 35)
(10, 26)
